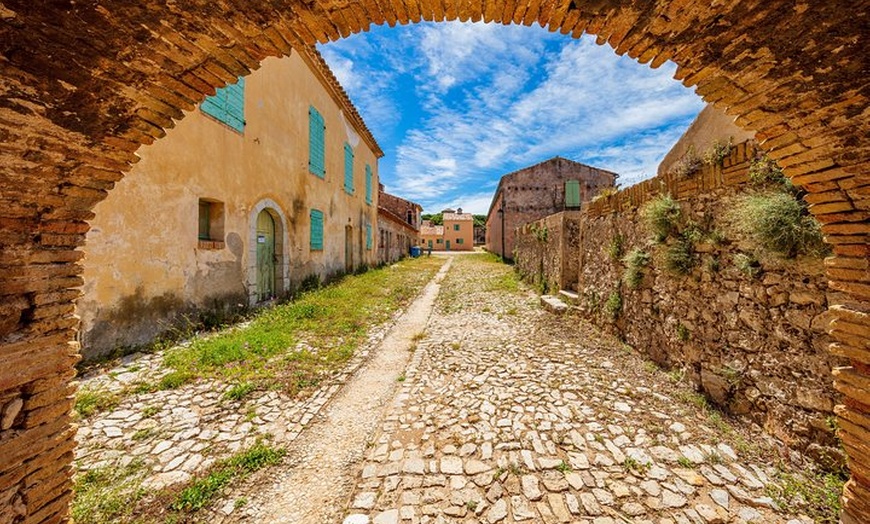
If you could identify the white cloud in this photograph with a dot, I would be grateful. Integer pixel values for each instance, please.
(494, 99)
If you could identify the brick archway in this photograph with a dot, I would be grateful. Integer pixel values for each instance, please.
(86, 84)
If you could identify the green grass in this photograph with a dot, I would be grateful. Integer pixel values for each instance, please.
(92, 401)
(331, 321)
(204, 490)
(816, 494)
(107, 495)
(633, 466)
(239, 391)
(564, 467)
(685, 462)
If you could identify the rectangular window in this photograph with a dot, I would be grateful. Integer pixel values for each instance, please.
(204, 226)
(368, 184)
(439, 241)
(227, 105)
(211, 224)
(572, 193)
(348, 168)
(316, 230)
(458, 240)
(316, 143)
(368, 236)
(455, 227)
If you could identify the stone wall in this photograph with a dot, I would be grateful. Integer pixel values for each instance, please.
(755, 344)
(546, 251)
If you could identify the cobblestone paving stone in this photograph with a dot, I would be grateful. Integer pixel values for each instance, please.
(181, 432)
(511, 414)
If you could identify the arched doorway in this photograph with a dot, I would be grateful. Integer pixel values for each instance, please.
(268, 266)
(86, 85)
(266, 257)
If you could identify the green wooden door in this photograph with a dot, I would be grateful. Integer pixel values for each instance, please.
(448, 244)
(265, 256)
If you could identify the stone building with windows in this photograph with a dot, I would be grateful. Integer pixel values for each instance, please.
(268, 182)
(555, 185)
(398, 226)
(456, 233)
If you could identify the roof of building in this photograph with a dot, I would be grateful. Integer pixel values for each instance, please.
(453, 217)
(319, 65)
(556, 158)
(392, 217)
(429, 230)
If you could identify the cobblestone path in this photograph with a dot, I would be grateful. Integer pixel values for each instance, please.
(511, 414)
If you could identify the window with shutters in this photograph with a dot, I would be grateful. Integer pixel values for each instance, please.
(368, 236)
(368, 184)
(348, 168)
(227, 105)
(459, 241)
(316, 143)
(455, 227)
(572, 193)
(316, 230)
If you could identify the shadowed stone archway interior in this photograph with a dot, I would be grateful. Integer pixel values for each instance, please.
(85, 84)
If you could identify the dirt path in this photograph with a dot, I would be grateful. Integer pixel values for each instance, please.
(324, 461)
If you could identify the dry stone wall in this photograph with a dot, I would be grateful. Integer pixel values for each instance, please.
(753, 339)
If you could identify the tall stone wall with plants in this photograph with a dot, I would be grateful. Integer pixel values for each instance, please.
(717, 272)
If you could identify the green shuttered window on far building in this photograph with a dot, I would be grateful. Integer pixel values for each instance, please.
(368, 236)
(572, 193)
(316, 230)
(316, 143)
(227, 105)
(348, 168)
(368, 184)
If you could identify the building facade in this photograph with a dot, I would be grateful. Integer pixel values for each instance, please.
(431, 236)
(456, 233)
(270, 181)
(555, 185)
(398, 226)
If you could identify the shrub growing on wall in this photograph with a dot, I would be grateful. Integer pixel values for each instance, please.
(634, 262)
(779, 223)
(662, 216)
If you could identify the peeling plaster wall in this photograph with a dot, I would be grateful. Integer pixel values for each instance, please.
(145, 268)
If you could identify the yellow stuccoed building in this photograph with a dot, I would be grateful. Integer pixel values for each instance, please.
(272, 180)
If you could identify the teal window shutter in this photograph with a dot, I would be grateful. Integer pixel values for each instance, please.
(316, 230)
(455, 227)
(348, 168)
(227, 105)
(316, 143)
(368, 184)
(572, 193)
(368, 236)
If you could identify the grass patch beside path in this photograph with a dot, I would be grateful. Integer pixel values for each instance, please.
(108, 495)
(328, 324)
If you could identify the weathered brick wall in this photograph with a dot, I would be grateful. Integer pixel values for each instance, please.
(546, 251)
(86, 84)
(756, 345)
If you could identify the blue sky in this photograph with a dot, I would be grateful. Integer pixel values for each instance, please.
(456, 105)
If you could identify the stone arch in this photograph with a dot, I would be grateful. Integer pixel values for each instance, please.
(85, 85)
(282, 249)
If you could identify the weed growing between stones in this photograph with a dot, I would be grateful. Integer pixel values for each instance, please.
(687, 165)
(817, 494)
(91, 401)
(108, 495)
(634, 261)
(662, 216)
(239, 391)
(614, 248)
(747, 264)
(613, 306)
(717, 152)
(205, 489)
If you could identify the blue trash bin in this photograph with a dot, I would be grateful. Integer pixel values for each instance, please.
(416, 251)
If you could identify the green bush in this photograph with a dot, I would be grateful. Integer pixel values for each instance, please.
(614, 304)
(764, 170)
(634, 261)
(780, 224)
(687, 165)
(662, 216)
(614, 249)
(717, 152)
(679, 257)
